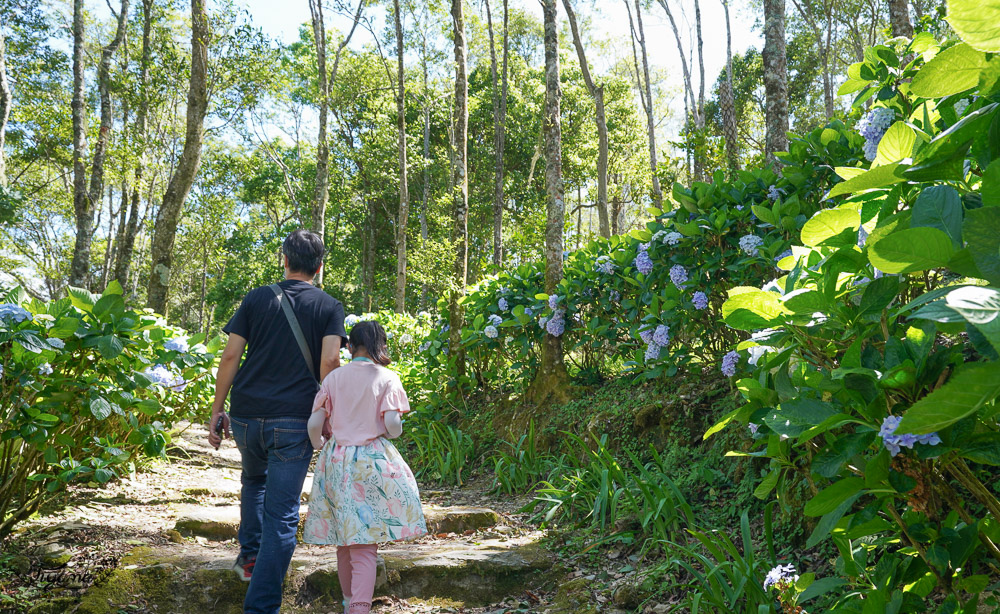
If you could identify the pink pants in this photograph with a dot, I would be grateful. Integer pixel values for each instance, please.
(356, 571)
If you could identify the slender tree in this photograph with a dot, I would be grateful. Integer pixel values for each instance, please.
(552, 379)
(499, 129)
(460, 189)
(597, 92)
(404, 191)
(647, 91)
(165, 229)
(899, 18)
(775, 79)
(808, 10)
(6, 98)
(727, 101)
(80, 268)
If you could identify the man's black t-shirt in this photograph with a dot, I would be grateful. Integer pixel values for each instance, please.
(273, 379)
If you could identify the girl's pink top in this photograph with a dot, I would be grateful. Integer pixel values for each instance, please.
(355, 398)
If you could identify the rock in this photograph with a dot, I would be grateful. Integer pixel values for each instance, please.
(660, 608)
(68, 526)
(174, 536)
(630, 595)
(573, 597)
(459, 519)
(20, 563)
(52, 556)
(218, 523)
(59, 605)
(196, 491)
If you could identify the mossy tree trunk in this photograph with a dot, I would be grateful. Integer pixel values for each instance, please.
(775, 80)
(460, 188)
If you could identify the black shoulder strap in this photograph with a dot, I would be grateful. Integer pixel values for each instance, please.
(293, 322)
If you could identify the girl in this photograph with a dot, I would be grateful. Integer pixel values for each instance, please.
(363, 491)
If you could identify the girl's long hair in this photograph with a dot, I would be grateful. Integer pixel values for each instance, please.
(370, 335)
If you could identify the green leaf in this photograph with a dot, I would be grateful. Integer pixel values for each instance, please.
(954, 70)
(767, 484)
(831, 497)
(832, 227)
(830, 520)
(972, 387)
(113, 288)
(878, 294)
(981, 231)
(64, 328)
(752, 310)
(110, 304)
(100, 407)
(81, 299)
(110, 346)
(896, 144)
(792, 418)
(977, 22)
(878, 177)
(913, 249)
(977, 304)
(983, 448)
(829, 135)
(103, 475)
(990, 188)
(820, 587)
(939, 207)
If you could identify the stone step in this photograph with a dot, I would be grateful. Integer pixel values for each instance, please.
(222, 522)
(194, 578)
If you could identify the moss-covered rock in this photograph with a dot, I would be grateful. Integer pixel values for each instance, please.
(459, 519)
(59, 605)
(573, 597)
(218, 523)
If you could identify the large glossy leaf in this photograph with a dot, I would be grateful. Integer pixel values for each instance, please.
(792, 418)
(828, 499)
(878, 177)
(832, 227)
(939, 207)
(954, 70)
(982, 448)
(981, 232)
(752, 310)
(100, 407)
(990, 188)
(972, 387)
(896, 144)
(913, 249)
(977, 22)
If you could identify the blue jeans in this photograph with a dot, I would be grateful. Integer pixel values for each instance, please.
(276, 454)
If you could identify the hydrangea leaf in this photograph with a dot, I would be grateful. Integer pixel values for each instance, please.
(954, 70)
(983, 448)
(753, 310)
(829, 521)
(794, 417)
(81, 299)
(896, 144)
(831, 497)
(832, 228)
(990, 188)
(939, 207)
(878, 177)
(64, 328)
(100, 407)
(913, 249)
(981, 231)
(977, 22)
(968, 391)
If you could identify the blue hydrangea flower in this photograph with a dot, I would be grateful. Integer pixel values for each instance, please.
(750, 243)
(542, 321)
(528, 311)
(672, 238)
(646, 335)
(45, 369)
(652, 352)
(176, 344)
(406, 339)
(862, 237)
(491, 332)
(55, 343)
(605, 265)
(615, 295)
(893, 442)
(643, 263)
(15, 314)
(782, 574)
(426, 345)
(502, 304)
(553, 301)
(678, 275)
(661, 336)
(495, 320)
(1, 370)
(960, 107)
(556, 326)
(774, 193)
(351, 320)
(873, 127)
(729, 362)
(700, 300)
(164, 377)
(740, 207)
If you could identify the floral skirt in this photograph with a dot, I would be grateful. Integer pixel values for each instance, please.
(363, 495)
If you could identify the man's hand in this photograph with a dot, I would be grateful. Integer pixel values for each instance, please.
(214, 439)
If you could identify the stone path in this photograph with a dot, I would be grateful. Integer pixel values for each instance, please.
(170, 533)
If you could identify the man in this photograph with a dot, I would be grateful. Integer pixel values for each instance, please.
(272, 396)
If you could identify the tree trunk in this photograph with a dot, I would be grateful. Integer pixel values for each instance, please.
(688, 87)
(699, 136)
(775, 80)
(404, 191)
(427, 160)
(460, 191)
(202, 303)
(79, 272)
(165, 230)
(551, 382)
(899, 17)
(499, 136)
(650, 123)
(602, 126)
(321, 191)
(5, 101)
(126, 245)
(727, 102)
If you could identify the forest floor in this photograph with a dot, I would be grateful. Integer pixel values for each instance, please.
(163, 541)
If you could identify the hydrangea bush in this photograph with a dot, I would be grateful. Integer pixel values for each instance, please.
(88, 387)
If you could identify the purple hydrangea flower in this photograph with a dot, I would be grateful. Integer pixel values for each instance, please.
(527, 311)
(672, 238)
(729, 362)
(556, 326)
(862, 237)
(176, 344)
(774, 193)
(646, 335)
(750, 243)
(661, 336)
(605, 265)
(553, 301)
(894, 442)
(652, 352)
(700, 300)
(873, 127)
(351, 320)
(782, 574)
(615, 295)
(495, 320)
(502, 304)
(643, 263)
(542, 321)
(13, 313)
(678, 275)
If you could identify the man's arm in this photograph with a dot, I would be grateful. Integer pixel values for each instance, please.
(330, 358)
(229, 363)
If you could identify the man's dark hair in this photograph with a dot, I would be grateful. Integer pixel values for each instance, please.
(370, 335)
(304, 250)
